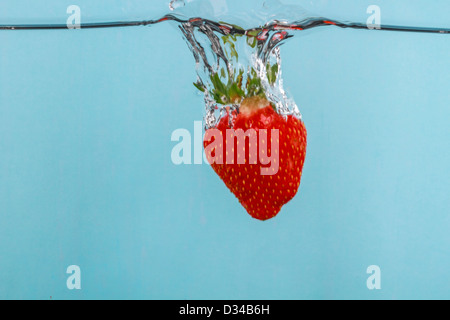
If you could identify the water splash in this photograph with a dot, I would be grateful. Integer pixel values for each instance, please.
(237, 52)
(237, 55)
(176, 4)
(233, 64)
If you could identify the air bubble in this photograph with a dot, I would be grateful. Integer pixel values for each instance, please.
(175, 4)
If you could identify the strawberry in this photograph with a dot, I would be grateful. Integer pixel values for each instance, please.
(258, 153)
(262, 195)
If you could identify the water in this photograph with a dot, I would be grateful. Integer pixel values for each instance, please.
(86, 164)
(217, 46)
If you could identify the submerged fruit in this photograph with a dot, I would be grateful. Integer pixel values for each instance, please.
(280, 139)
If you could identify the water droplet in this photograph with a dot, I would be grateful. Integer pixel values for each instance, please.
(175, 4)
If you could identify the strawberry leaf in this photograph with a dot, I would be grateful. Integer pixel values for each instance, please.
(252, 42)
(199, 87)
(272, 72)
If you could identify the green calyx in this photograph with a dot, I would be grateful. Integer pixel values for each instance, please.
(227, 86)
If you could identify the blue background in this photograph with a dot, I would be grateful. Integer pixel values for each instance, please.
(86, 176)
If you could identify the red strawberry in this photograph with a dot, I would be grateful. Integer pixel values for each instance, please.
(261, 195)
